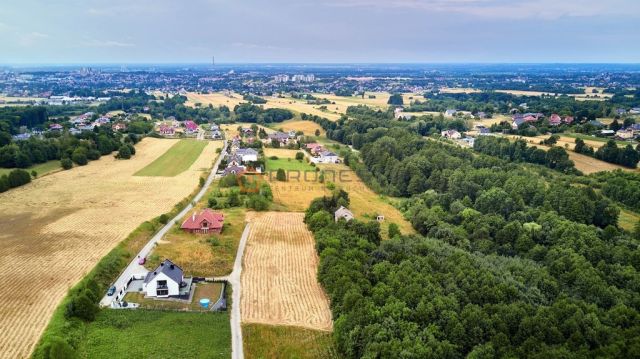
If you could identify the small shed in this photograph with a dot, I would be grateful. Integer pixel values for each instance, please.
(343, 213)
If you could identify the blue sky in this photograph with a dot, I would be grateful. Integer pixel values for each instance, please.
(161, 31)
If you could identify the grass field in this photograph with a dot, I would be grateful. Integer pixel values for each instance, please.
(307, 127)
(41, 168)
(209, 291)
(176, 160)
(280, 265)
(156, 334)
(275, 342)
(55, 229)
(288, 164)
(202, 255)
(628, 219)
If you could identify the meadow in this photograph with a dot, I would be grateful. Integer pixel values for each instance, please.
(273, 342)
(58, 227)
(41, 169)
(176, 160)
(157, 334)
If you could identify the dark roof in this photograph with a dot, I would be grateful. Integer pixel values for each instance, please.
(169, 269)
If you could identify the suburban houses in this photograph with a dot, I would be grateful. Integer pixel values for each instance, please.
(167, 280)
(321, 155)
(205, 222)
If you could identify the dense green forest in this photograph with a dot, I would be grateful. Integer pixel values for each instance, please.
(246, 112)
(512, 259)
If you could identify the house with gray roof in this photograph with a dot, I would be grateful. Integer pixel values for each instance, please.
(165, 281)
(343, 213)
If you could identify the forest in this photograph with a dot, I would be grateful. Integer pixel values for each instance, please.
(512, 259)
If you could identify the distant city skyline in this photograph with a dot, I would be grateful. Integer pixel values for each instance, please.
(324, 31)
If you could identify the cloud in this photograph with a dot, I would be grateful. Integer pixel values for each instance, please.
(30, 39)
(505, 9)
(106, 43)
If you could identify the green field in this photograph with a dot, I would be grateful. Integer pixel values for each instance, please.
(157, 334)
(176, 160)
(41, 168)
(288, 164)
(271, 342)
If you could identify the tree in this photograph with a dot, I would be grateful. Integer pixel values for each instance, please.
(394, 230)
(81, 306)
(299, 156)
(79, 156)
(66, 163)
(234, 199)
(124, 152)
(396, 100)
(18, 177)
(317, 132)
(281, 175)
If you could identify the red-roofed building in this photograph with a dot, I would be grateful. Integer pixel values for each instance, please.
(568, 120)
(190, 126)
(207, 221)
(555, 120)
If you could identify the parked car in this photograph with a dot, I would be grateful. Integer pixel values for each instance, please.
(142, 260)
(112, 290)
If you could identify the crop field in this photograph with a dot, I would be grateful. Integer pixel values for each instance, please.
(57, 228)
(199, 254)
(274, 342)
(157, 334)
(176, 160)
(279, 272)
(301, 106)
(41, 168)
(307, 127)
(215, 99)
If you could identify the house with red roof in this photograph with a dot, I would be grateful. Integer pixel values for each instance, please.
(166, 130)
(568, 120)
(190, 126)
(205, 222)
(555, 120)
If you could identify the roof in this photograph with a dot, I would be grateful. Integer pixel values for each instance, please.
(342, 211)
(169, 269)
(246, 151)
(278, 136)
(214, 219)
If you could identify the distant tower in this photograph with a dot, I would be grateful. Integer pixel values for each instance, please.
(213, 61)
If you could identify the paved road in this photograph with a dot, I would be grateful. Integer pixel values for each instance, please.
(237, 350)
(134, 268)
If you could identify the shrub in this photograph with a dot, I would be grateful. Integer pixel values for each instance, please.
(281, 175)
(66, 163)
(273, 158)
(18, 178)
(79, 156)
(394, 230)
(299, 156)
(124, 152)
(81, 306)
(4, 183)
(58, 348)
(258, 202)
(34, 174)
(163, 218)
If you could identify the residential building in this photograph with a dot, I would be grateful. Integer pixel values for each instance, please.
(164, 281)
(205, 222)
(343, 213)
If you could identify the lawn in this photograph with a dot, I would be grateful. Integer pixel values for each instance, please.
(201, 254)
(266, 342)
(176, 160)
(157, 334)
(628, 219)
(41, 168)
(210, 291)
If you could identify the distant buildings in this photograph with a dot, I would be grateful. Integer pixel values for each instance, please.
(294, 78)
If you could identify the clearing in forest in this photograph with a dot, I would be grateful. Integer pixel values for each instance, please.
(279, 272)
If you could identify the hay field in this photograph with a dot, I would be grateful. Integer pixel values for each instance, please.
(57, 228)
(307, 127)
(279, 272)
(215, 99)
(274, 342)
(300, 106)
(297, 194)
(585, 164)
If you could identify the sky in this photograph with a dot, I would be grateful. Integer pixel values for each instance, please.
(318, 31)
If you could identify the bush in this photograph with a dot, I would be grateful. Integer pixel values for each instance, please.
(281, 175)
(273, 158)
(81, 306)
(34, 174)
(58, 348)
(258, 202)
(18, 178)
(79, 156)
(212, 202)
(163, 218)
(66, 163)
(394, 230)
(124, 152)
(299, 156)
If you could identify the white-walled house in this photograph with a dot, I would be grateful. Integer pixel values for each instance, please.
(343, 213)
(247, 154)
(164, 281)
(326, 157)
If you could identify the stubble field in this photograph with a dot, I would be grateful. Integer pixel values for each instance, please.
(279, 285)
(58, 227)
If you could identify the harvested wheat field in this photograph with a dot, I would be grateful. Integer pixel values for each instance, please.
(215, 99)
(307, 127)
(279, 274)
(55, 229)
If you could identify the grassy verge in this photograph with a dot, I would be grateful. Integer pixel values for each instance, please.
(176, 160)
(41, 168)
(155, 334)
(266, 342)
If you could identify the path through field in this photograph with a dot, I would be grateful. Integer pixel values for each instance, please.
(279, 284)
(57, 228)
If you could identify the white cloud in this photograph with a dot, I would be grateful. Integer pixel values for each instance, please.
(106, 43)
(31, 38)
(506, 9)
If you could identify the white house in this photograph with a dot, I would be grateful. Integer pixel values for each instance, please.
(450, 113)
(343, 213)
(164, 281)
(247, 154)
(453, 134)
(326, 157)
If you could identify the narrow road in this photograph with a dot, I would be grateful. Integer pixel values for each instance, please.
(237, 350)
(133, 267)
